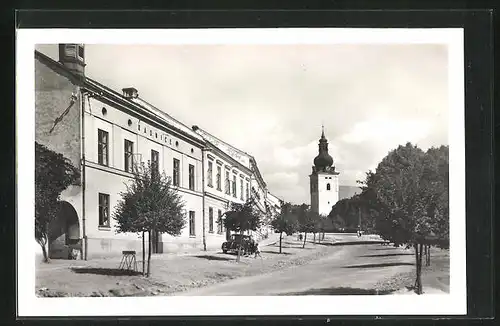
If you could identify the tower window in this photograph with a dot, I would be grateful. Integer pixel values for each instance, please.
(327, 186)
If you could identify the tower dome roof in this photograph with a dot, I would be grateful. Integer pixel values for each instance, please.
(323, 160)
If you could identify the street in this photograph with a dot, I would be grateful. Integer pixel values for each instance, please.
(351, 269)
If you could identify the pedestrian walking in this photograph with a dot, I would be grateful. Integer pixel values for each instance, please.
(257, 251)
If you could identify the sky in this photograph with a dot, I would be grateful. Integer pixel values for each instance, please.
(271, 100)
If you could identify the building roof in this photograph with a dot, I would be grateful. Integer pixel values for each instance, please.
(138, 105)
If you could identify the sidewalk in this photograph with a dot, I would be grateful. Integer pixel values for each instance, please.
(170, 273)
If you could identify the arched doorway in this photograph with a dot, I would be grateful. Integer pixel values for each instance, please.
(64, 233)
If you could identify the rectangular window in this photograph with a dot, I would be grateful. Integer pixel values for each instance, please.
(80, 52)
(209, 174)
(241, 190)
(219, 182)
(176, 175)
(191, 224)
(191, 177)
(247, 191)
(129, 155)
(102, 147)
(210, 220)
(155, 161)
(228, 191)
(219, 222)
(234, 186)
(103, 210)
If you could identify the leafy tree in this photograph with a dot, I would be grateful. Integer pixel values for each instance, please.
(285, 222)
(150, 204)
(412, 189)
(53, 174)
(241, 218)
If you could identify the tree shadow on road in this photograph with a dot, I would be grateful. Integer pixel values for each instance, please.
(105, 271)
(387, 255)
(209, 257)
(275, 252)
(339, 291)
(379, 265)
(353, 243)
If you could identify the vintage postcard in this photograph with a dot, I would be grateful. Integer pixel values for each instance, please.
(240, 172)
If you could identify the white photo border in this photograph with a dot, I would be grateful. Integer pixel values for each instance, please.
(29, 305)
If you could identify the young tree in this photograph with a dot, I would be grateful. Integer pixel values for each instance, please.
(285, 222)
(306, 221)
(150, 204)
(410, 184)
(241, 218)
(53, 174)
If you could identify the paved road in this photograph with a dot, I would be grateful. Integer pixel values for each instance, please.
(347, 269)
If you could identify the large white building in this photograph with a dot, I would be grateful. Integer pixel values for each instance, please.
(103, 133)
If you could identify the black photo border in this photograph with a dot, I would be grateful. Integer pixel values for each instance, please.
(479, 117)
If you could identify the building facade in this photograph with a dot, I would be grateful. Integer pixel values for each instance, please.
(324, 183)
(232, 176)
(104, 133)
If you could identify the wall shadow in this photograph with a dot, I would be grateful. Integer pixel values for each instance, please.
(213, 257)
(339, 291)
(387, 255)
(379, 265)
(105, 271)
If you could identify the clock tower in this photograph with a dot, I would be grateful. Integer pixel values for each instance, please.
(323, 180)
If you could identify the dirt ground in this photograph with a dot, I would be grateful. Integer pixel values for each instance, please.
(169, 273)
(435, 278)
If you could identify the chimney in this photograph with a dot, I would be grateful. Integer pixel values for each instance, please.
(130, 93)
(72, 56)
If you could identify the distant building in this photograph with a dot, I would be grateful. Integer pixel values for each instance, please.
(103, 133)
(324, 183)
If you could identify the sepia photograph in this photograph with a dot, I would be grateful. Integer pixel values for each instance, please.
(242, 168)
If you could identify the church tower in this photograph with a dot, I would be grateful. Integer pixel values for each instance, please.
(323, 180)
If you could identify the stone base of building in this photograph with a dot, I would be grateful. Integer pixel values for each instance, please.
(97, 248)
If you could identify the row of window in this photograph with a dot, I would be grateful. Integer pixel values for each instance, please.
(104, 217)
(228, 188)
(103, 159)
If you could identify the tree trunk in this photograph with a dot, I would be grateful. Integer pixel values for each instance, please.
(304, 244)
(428, 256)
(42, 244)
(418, 258)
(314, 237)
(239, 247)
(149, 253)
(281, 234)
(143, 253)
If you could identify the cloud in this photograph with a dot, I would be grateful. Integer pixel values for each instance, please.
(387, 131)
